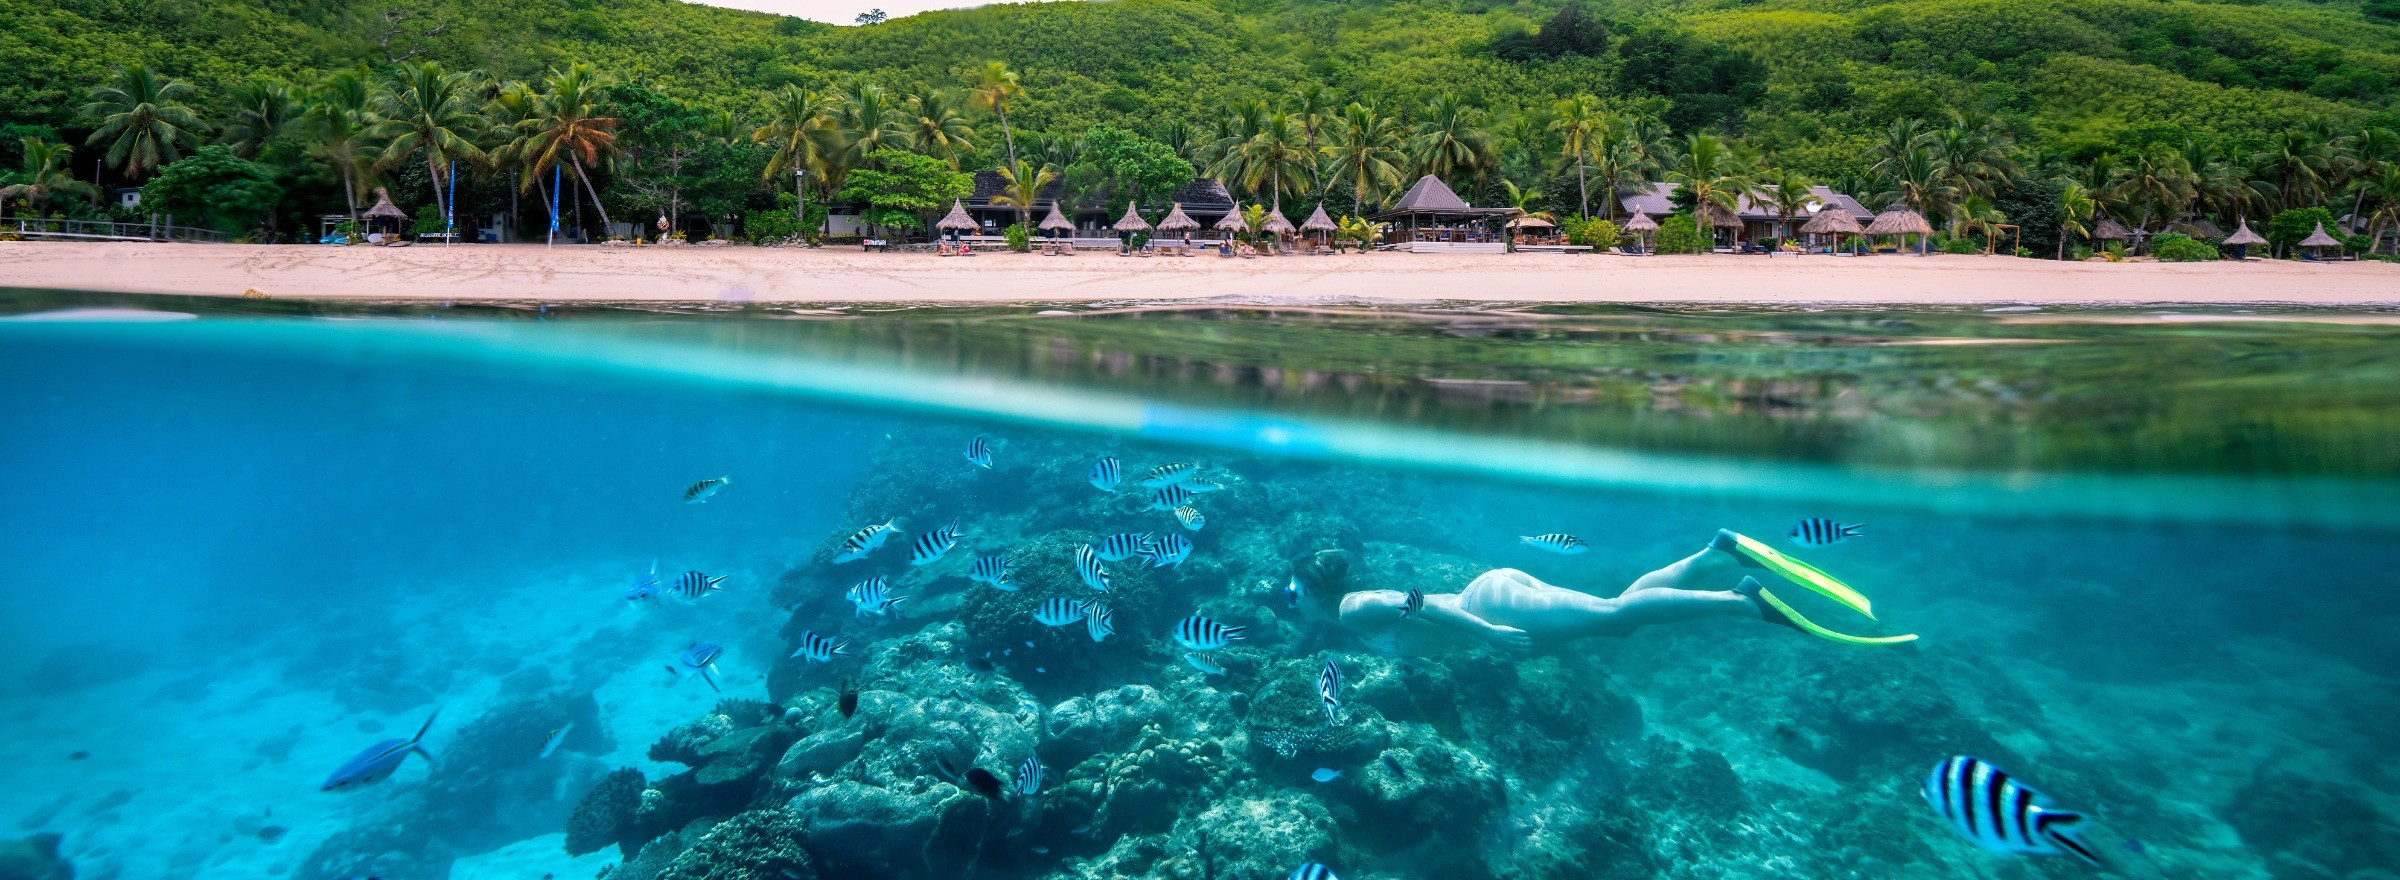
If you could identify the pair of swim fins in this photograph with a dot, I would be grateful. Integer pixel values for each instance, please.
(1756, 554)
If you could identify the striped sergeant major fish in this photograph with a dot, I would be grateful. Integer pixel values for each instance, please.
(873, 596)
(557, 738)
(1312, 871)
(1329, 692)
(819, 649)
(1169, 474)
(1106, 474)
(1413, 604)
(1170, 497)
(1088, 567)
(693, 585)
(699, 492)
(1204, 635)
(993, 570)
(930, 546)
(1058, 611)
(2000, 814)
(702, 657)
(1203, 487)
(1029, 776)
(865, 541)
(1118, 547)
(380, 759)
(1190, 517)
(1817, 531)
(1557, 542)
(1100, 622)
(1170, 550)
(1206, 663)
(979, 451)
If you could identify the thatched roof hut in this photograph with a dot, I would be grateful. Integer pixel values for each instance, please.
(1276, 223)
(1832, 221)
(1530, 221)
(1131, 222)
(2109, 229)
(2197, 227)
(1641, 222)
(1720, 218)
(1178, 221)
(1318, 222)
(957, 219)
(1057, 221)
(1899, 220)
(2319, 239)
(384, 209)
(1232, 221)
(2243, 237)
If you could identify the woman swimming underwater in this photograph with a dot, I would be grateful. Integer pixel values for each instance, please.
(1510, 609)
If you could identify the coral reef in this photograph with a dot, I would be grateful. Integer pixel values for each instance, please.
(34, 858)
(607, 813)
(2310, 829)
(756, 845)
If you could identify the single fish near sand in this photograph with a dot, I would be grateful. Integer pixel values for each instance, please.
(1817, 531)
(2000, 814)
(557, 738)
(1106, 474)
(865, 541)
(819, 649)
(979, 451)
(380, 759)
(699, 492)
(1557, 542)
(1204, 635)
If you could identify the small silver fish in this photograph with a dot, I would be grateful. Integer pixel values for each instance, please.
(1325, 774)
(557, 737)
(1206, 663)
(700, 491)
(380, 759)
(1203, 487)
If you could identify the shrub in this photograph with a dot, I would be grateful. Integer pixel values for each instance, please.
(1679, 235)
(2177, 248)
(216, 189)
(1599, 235)
(2388, 10)
(2287, 230)
(1958, 246)
(1020, 239)
(429, 219)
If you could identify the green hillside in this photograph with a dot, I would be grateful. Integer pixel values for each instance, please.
(2007, 101)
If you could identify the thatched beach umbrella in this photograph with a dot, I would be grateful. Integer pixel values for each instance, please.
(1129, 224)
(1177, 220)
(1232, 222)
(1833, 221)
(1057, 222)
(956, 221)
(1531, 222)
(1318, 222)
(2242, 239)
(1899, 220)
(1642, 226)
(2320, 240)
(385, 210)
(2108, 229)
(1275, 223)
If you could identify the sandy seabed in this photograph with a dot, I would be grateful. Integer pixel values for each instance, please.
(752, 274)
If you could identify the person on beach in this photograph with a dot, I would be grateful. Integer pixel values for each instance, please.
(1509, 609)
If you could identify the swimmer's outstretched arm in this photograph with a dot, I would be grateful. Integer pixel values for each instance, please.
(1444, 611)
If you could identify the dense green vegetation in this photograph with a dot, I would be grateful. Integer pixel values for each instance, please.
(2044, 114)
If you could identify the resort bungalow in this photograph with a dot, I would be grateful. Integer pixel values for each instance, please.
(1430, 218)
(1203, 198)
(1754, 213)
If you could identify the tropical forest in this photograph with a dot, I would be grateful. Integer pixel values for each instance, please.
(2176, 121)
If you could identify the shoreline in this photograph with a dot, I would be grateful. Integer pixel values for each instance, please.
(741, 273)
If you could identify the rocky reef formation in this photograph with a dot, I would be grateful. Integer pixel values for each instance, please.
(34, 858)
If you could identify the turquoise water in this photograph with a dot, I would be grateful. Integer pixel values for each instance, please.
(2146, 556)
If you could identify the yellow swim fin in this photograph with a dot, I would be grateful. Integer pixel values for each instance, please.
(1809, 626)
(1757, 554)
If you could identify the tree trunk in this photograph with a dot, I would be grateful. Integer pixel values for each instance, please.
(350, 189)
(433, 166)
(1002, 111)
(1583, 188)
(2062, 242)
(595, 194)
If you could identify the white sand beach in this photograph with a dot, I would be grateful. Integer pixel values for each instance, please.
(526, 273)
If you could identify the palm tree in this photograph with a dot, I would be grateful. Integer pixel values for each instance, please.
(1270, 156)
(1581, 126)
(1021, 185)
(1790, 193)
(143, 120)
(2367, 155)
(1706, 169)
(512, 106)
(2158, 182)
(799, 132)
(1976, 214)
(936, 127)
(2075, 209)
(1177, 135)
(44, 177)
(262, 110)
(570, 130)
(2292, 170)
(1313, 107)
(1242, 121)
(431, 109)
(1450, 140)
(1915, 178)
(341, 127)
(2382, 198)
(1521, 201)
(1974, 154)
(1367, 150)
(866, 122)
(995, 87)
(1621, 162)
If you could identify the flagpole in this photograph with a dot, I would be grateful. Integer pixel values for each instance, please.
(450, 220)
(554, 183)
